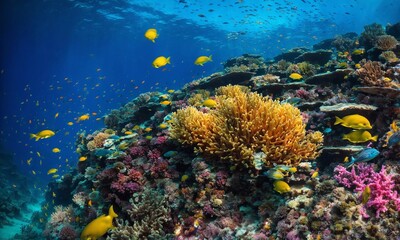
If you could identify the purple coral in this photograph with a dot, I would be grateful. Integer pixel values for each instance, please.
(67, 233)
(381, 185)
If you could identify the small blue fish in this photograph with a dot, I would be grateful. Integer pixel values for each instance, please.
(394, 139)
(170, 154)
(364, 156)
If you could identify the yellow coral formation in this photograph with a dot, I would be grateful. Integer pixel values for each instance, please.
(243, 124)
(97, 141)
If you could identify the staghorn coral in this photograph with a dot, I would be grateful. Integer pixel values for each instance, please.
(371, 74)
(386, 42)
(150, 215)
(243, 124)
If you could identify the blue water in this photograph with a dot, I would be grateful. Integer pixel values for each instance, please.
(78, 57)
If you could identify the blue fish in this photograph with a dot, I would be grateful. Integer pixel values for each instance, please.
(394, 139)
(364, 156)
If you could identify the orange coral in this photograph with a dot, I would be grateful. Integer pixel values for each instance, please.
(97, 141)
(245, 124)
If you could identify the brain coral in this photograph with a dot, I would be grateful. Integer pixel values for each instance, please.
(243, 125)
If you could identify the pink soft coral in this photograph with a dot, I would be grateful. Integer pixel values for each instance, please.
(380, 183)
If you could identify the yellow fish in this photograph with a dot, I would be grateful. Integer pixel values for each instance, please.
(203, 59)
(55, 176)
(56, 116)
(151, 34)
(42, 134)
(354, 121)
(358, 52)
(70, 123)
(165, 103)
(54, 194)
(128, 133)
(161, 62)
(148, 129)
(83, 158)
(170, 91)
(84, 117)
(314, 174)
(359, 136)
(163, 125)
(366, 194)
(56, 150)
(29, 161)
(33, 172)
(52, 170)
(295, 76)
(98, 227)
(211, 103)
(281, 186)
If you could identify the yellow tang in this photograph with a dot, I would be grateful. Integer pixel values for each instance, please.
(281, 186)
(203, 59)
(70, 123)
(83, 117)
(354, 121)
(56, 150)
(151, 34)
(42, 134)
(359, 136)
(211, 103)
(52, 170)
(98, 227)
(295, 76)
(163, 125)
(165, 103)
(83, 158)
(366, 194)
(161, 61)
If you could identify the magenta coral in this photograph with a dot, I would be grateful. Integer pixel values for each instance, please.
(380, 183)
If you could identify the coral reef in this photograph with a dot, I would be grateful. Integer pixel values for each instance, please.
(243, 124)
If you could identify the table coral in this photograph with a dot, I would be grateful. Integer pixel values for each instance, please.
(243, 124)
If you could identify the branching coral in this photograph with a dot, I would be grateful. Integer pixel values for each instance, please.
(97, 141)
(371, 74)
(243, 124)
(371, 32)
(150, 215)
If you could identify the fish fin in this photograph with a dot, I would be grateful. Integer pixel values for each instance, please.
(210, 58)
(153, 41)
(32, 135)
(351, 163)
(374, 138)
(337, 120)
(168, 60)
(111, 212)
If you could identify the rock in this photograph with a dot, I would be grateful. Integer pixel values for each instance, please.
(335, 77)
(381, 91)
(343, 109)
(291, 55)
(315, 57)
(393, 30)
(277, 87)
(234, 78)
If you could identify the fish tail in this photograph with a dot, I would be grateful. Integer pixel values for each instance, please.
(210, 58)
(168, 59)
(111, 212)
(374, 138)
(351, 163)
(32, 135)
(337, 120)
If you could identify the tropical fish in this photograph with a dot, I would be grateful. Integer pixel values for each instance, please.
(295, 76)
(364, 156)
(151, 34)
(163, 125)
(275, 174)
(98, 227)
(354, 121)
(203, 59)
(70, 123)
(82, 158)
(394, 139)
(165, 103)
(29, 161)
(161, 61)
(366, 194)
(359, 136)
(42, 134)
(52, 170)
(358, 52)
(315, 174)
(211, 103)
(281, 186)
(56, 150)
(84, 117)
